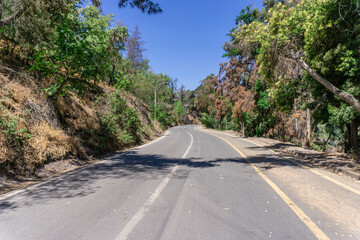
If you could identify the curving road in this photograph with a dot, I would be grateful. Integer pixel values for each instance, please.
(190, 184)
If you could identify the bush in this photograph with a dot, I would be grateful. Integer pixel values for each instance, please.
(10, 126)
(122, 122)
(208, 119)
(162, 115)
(179, 112)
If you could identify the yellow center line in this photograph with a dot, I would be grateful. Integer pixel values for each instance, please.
(310, 169)
(297, 210)
(351, 189)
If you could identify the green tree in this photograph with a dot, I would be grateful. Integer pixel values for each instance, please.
(147, 6)
(179, 111)
(79, 55)
(311, 34)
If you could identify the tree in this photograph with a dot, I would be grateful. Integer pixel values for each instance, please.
(144, 5)
(19, 7)
(10, 11)
(310, 34)
(179, 111)
(134, 50)
(7, 17)
(308, 53)
(205, 95)
(79, 54)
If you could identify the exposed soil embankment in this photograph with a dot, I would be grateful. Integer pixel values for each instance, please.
(41, 137)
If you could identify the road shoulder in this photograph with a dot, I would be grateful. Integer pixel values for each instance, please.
(331, 206)
(59, 168)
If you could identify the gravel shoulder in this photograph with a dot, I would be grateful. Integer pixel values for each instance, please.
(339, 163)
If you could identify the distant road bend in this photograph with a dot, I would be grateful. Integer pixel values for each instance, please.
(192, 183)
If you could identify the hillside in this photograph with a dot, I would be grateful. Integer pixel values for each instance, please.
(36, 130)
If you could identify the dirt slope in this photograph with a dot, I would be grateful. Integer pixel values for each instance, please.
(37, 132)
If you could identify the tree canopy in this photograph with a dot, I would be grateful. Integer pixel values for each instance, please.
(293, 68)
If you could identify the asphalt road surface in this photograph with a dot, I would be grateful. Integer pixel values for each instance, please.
(190, 184)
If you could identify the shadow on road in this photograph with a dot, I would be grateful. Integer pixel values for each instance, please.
(130, 165)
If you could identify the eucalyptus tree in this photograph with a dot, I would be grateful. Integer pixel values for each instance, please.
(319, 36)
(316, 42)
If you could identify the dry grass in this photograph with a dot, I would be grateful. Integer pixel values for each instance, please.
(39, 117)
(51, 144)
(68, 128)
(5, 152)
(76, 114)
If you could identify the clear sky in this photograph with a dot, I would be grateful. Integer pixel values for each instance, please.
(185, 41)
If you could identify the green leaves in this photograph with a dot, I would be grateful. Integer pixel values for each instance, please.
(147, 6)
(122, 121)
(83, 52)
(10, 125)
(179, 111)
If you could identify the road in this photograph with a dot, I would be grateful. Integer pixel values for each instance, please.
(190, 184)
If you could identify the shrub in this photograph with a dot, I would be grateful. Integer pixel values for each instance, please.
(10, 126)
(122, 122)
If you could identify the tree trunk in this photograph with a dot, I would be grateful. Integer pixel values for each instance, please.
(243, 128)
(349, 144)
(346, 97)
(112, 77)
(1, 8)
(326, 142)
(12, 49)
(282, 130)
(308, 128)
(10, 19)
(354, 125)
(296, 121)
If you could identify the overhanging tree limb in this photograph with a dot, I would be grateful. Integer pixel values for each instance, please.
(13, 17)
(346, 97)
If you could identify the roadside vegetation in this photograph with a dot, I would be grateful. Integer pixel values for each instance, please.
(75, 86)
(293, 74)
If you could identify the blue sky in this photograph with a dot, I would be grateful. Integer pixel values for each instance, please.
(185, 41)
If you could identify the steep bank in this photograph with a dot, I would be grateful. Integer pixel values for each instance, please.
(37, 131)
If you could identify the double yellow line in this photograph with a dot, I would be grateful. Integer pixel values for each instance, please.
(300, 213)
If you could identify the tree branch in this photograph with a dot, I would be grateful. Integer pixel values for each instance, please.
(346, 97)
(10, 19)
(1, 8)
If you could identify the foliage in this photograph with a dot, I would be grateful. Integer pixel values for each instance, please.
(79, 54)
(134, 47)
(179, 111)
(122, 122)
(144, 5)
(208, 119)
(76, 55)
(163, 114)
(266, 85)
(9, 125)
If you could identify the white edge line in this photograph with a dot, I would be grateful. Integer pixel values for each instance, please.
(156, 140)
(18, 191)
(188, 149)
(343, 185)
(142, 211)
